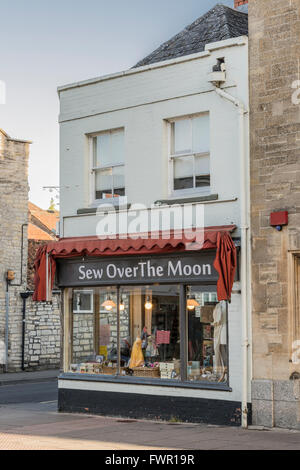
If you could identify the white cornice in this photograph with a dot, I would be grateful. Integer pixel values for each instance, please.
(239, 41)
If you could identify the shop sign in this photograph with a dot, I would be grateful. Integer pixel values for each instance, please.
(134, 270)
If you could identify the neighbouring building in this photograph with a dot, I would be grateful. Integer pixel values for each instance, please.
(274, 33)
(42, 345)
(156, 319)
(35, 342)
(42, 226)
(14, 155)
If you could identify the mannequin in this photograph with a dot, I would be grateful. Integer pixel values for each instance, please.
(137, 357)
(220, 339)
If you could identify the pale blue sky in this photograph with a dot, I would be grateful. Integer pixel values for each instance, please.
(47, 43)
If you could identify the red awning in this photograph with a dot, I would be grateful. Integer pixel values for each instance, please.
(141, 244)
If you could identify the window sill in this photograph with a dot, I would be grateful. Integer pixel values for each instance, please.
(146, 381)
(187, 199)
(93, 210)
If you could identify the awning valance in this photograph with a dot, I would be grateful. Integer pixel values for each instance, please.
(141, 244)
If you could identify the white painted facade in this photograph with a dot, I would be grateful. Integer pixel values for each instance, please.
(141, 101)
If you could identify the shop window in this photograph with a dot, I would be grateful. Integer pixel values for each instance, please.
(207, 337)
(190, 157)
(83, 301)
(295, 310)
(108, 165)
(150, 331)
(149, 334)
(107, 331)
(82, 328)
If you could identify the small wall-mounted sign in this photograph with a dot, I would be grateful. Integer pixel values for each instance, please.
(279, 219)
(10, 275)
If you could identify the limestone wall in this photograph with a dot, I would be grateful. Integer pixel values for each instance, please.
(274, 41)
(13, 217)
(43, 334)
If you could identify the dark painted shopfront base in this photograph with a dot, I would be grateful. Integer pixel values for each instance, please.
(165, 408)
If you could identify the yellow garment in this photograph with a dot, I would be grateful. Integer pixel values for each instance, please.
(137, 357)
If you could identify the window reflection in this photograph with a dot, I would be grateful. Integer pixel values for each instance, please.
(149, 333)
(207, 337)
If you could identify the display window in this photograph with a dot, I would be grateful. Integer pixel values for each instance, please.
(207, 336)
(169, 332)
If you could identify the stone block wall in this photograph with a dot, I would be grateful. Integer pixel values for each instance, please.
(83, 337)
(43, 334)
(13, 251)
(84, 334)
(274, 42)
(42, 338)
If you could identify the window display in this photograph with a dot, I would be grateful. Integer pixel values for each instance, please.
(82, 328)
(144, 336)
(207, 337)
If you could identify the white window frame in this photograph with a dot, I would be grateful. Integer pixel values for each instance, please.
(206, 190)
(94, 169)
(82, 291)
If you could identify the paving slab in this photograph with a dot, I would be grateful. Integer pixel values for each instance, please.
(36, 424)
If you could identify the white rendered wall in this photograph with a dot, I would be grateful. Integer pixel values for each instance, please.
(141, 101)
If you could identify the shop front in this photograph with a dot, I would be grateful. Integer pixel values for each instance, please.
(145, 326)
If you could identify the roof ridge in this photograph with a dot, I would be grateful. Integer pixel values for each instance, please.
(227, 18)
(239, 12)
(219, 23)
(178, 35)
(236, 12)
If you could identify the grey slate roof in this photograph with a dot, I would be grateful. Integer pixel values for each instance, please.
(219, 23)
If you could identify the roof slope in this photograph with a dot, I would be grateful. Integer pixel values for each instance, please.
(45, 220)
(218, 24)
(36, 233)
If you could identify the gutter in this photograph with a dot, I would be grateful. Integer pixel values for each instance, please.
(209, 48)
(245, 256)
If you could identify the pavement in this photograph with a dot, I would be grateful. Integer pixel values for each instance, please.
(29, 421)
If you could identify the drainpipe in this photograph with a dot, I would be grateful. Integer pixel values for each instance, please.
(6, 324)
(24, 296)
(245, 225)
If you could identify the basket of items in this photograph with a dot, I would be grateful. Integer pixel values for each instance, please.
(108, 370)
(150, 372)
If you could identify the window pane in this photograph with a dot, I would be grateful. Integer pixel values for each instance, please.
(102, 150)
(104, 183)
(107, 322)
(117, 147)
(119, 181)
(109, 148)
(202, 165)
(83, 349)
(150, 332)
(207, 337)
(183, 172)
(182, 136)
(201, 137)
(82, 301)
(202, 181)
(202, 170)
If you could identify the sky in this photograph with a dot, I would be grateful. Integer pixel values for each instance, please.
(49, 43)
